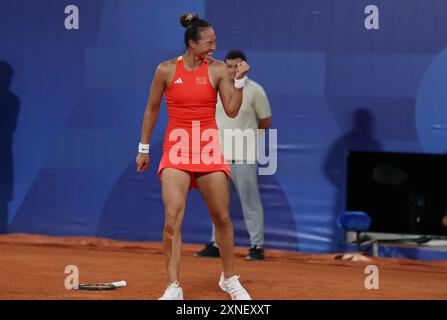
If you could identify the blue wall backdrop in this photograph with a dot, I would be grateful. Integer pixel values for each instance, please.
(71, 117)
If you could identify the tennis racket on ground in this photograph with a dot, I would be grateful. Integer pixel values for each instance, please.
(100, 286)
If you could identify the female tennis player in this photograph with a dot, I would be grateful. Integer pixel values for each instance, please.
(190, 84)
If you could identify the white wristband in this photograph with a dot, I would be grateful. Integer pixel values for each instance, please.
(240, 83)
(143, 148)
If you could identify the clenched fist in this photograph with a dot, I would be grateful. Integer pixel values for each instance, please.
(242, 69)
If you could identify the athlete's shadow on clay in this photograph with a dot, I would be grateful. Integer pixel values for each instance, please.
(134, 211)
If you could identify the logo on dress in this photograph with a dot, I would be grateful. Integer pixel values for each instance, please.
(179, 80)
(201, 80)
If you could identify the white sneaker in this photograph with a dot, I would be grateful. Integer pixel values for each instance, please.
(172, 292)
(234, 288)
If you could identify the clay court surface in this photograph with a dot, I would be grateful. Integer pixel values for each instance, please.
(33, 267)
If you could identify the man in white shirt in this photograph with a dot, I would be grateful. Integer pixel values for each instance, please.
(255, 113)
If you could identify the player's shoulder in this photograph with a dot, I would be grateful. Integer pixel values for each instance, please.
(218, 64)
(165, 69)
(167, 64)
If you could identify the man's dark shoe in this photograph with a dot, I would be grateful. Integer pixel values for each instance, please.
(255, 253)
(210, 251)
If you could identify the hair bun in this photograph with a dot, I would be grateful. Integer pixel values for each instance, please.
(188, 18)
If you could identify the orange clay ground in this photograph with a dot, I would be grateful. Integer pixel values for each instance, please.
(33, 267)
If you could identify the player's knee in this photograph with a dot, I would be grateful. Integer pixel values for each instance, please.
(172, 214)
(222, 221)
(168, 232)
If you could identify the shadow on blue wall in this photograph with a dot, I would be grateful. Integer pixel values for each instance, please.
(361, 137)
(9, 111)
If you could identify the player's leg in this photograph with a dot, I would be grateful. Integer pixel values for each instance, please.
(175, 185)
(211, 249)
(214, 189)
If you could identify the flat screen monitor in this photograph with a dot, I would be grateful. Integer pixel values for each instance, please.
(404, 193)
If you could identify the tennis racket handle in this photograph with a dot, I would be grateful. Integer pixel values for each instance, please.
(119, 284)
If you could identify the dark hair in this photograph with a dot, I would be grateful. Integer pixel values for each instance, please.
(235, 54)
(193, 25)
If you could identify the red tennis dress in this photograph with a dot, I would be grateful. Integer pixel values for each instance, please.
(191, 141)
